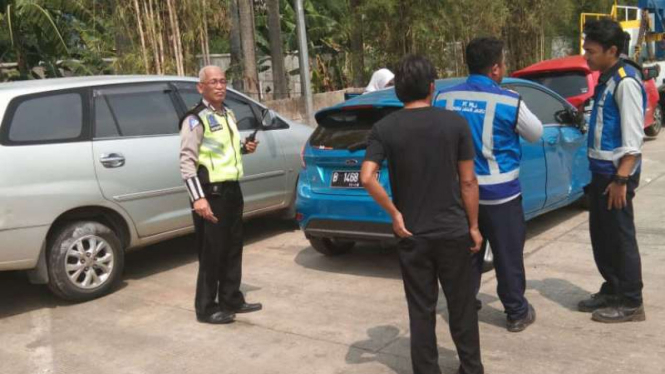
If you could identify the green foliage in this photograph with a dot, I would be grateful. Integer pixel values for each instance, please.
(51, 35)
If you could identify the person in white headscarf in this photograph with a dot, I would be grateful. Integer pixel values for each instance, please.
(382, 78)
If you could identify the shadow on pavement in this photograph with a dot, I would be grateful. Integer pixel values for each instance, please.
(561, 291)
(365, 259)
(551, 219)
(18, 296)
(380, 337)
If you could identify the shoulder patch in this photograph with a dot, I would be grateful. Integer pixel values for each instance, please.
(193, 122)
(622, 72)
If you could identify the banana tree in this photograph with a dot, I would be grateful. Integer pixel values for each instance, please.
(35, 31)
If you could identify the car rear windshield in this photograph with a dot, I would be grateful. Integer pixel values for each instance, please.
(346, 129)
(566, 84)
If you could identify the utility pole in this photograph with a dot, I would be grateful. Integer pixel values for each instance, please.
(303, 58)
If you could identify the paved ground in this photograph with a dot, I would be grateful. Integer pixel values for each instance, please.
(338, 315)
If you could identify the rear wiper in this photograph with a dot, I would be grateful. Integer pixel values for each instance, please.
(357, 146)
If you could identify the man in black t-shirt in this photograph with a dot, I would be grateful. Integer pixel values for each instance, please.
(434, 211)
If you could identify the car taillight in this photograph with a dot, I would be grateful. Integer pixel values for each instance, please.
(302, 156)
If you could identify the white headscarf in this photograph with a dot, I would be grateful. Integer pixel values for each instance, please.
(380, 80)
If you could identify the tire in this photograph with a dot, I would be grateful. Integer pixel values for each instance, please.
(488, 257)
(584, 202)
(657, 124)
(331, 247)
(85, 261)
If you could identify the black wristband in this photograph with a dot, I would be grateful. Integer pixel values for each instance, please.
(620, 180)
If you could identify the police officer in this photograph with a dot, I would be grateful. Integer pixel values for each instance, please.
(211, 166)
(497, 118)
(616, 135)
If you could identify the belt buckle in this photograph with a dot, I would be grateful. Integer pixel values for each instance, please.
(215, 190)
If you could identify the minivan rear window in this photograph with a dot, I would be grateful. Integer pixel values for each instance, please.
(566, 84)
(346, 128)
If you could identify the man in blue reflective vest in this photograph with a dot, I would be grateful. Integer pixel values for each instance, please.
(616, 135)
(497, 118)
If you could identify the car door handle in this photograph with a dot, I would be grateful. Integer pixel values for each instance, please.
(112, 160)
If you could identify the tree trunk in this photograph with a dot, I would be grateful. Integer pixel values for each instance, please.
(276, 51)
(357, 50)
(123, 42)
(175, 30)
(142, 36)
(181, 59)
(250, 74)
(205, 39)
(236, 47)
(160, 34)
(153, 34)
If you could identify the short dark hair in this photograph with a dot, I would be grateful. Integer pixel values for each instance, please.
(483, 53)
(413, 78)
(606, 32)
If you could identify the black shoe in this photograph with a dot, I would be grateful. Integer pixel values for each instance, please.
(479, 304)
(619, 313)
(521, 324)
(597, 301)
(248, 308)
(217, 318)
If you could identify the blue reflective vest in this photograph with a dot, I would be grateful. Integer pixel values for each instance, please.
(605, 122)
(491, 112)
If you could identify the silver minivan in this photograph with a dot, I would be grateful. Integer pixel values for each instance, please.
(89, 169)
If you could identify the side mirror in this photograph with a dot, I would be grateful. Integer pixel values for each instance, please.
(269, 118)
(651, 72)
(580, 121)
(571, 117)
(564, 117)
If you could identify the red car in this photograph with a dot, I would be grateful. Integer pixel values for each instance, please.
(571, 78)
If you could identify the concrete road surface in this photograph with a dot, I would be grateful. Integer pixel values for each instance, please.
(345, 314)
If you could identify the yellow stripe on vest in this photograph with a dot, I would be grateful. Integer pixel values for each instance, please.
(622, 72)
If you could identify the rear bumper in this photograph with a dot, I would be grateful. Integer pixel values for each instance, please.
(357, 230)
(342, 216)
(20, 248)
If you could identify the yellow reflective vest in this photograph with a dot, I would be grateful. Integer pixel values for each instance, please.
(220, 151)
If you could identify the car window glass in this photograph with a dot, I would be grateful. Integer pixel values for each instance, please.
(142, 109)
(48, 118)
(542, 104)
(342, 129)
(568, 84)
(105, 124)
(242, 110)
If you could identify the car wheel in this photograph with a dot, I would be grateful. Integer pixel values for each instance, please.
(85, 261)
(488, 257)
(331, 247)
(657, 124)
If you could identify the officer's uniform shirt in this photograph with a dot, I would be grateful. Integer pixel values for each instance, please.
(191, 137)
(608, 140)
(526, 124)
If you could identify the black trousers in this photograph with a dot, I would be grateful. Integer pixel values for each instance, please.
(220, 251)
(504, 228)
(614, 243)
(424, 263)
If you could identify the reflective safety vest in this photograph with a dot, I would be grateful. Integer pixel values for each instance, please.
(491, 112)
(220, 150)
(605, 136)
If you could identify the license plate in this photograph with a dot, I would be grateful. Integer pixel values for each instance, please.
(346, 179)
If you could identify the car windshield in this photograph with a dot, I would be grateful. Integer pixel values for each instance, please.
(566, 84)
(346, 129)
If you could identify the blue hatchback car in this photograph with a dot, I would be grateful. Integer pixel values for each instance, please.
(335, 211)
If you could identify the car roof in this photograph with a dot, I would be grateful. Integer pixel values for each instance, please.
(557, 64)
(388, 99)
(54, 84)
